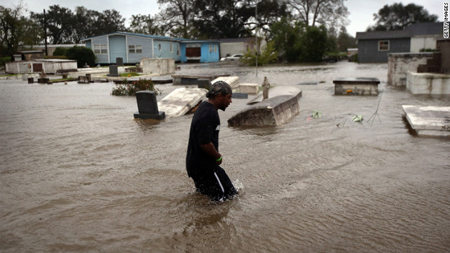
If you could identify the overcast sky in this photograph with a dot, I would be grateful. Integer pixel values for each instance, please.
(361, 11)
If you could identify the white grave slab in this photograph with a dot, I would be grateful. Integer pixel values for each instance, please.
(429, 120)
(181, 100)
(233, 81)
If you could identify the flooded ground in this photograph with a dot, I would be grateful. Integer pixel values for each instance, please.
(79, 174)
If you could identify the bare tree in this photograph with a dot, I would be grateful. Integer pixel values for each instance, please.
(16, 30)
(324, 12)
(177, 15)
(144, 24)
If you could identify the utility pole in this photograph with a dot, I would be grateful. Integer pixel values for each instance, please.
(256, 36)
(45, 33)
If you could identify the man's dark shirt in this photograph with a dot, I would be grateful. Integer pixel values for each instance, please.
(205, 128)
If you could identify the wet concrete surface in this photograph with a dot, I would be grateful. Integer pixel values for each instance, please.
(79, 174)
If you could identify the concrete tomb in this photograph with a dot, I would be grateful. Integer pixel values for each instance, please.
(356, 86)
(162, 79)
(43, 80)
(159, 66)
(422, 73)
(249, 88)
(281, 106)
(429, 120)
(400, 63)
(148, 106)
(182, 100)
(428, 83)
(233, 81)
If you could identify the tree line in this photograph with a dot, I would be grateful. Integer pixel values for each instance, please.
(295, 27)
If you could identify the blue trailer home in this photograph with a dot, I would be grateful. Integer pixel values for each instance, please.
(132, 47)
(200, 50)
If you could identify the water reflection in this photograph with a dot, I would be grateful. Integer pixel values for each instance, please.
(148, 124)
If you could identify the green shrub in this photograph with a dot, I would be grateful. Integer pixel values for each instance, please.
(82, 55)
(428, 50)
(353, 58)
(130, 89)
(4, 60)
(60, 51)
(55, 57)
(334, 56)
(268, 55)
(313, 44)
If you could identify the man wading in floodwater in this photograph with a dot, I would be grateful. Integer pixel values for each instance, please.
(203, 157)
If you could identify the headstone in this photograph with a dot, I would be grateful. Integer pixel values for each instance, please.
(204, 83)
(119, 61)
(88, 77)
(148, 106)
(113, 70)
(24, 77)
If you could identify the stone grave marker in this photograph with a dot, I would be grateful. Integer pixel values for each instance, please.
(119, 61)
(148, 106)
(113, 70)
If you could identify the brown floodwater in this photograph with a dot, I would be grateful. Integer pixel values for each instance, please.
(79, 174)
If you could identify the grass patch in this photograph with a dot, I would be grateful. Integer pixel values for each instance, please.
(129, 74)
(8, 75)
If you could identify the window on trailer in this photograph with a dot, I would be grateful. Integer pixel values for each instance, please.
(100, 49)
(383, 45)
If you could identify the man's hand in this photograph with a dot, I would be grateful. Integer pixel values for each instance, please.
(211, 150)
(218, 162)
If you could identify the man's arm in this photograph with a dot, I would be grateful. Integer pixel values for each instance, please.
(211, 151)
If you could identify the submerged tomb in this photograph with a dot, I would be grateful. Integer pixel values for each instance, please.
(281, 106)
